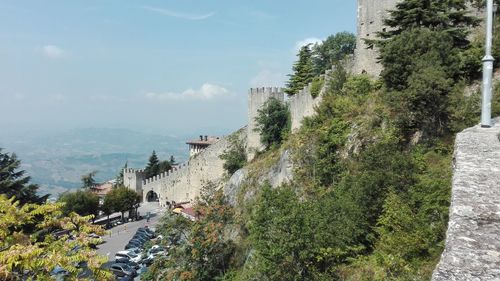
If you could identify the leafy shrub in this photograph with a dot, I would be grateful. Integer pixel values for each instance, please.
(316, 85)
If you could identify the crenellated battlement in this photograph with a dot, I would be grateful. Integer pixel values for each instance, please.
(184, 182)
(170, 173)
(266, 91)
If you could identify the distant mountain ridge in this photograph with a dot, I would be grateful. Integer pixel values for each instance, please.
(56, 161)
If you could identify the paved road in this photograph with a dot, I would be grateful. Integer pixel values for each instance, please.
(120, 235)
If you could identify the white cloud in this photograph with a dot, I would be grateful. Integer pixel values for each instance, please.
(310, 40)
(179, 15)
(206, 92)
(54, 52)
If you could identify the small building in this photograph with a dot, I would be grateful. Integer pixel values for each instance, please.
(196, 146)
(102, 189)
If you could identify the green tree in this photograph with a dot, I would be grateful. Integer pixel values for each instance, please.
(272, 122)
(452, 17)
(332, 50)
(123, 199)
(235, 156)
(420, 68)
(153, 167)
(33, 255)
(108, 206)
(210, 251)
(303, 71)
(88, 180)
(13, 181)
(165, 166)
(172, 160)
(84, 203)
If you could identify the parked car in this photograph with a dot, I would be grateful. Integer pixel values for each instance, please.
(137, 241)
(135, 250)
(132, 245)
(146, 230)
(128, 255)
(144, 235)
(148, 260)
(128, 262)
(120, 269)
(140, 238)
(157, 250)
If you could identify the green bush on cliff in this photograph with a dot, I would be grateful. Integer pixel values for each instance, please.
(235, 156)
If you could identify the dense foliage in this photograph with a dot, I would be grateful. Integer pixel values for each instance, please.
(83, 203)
(273, 122)
(37, 238)
(314, 60)
(14, 182)
(198, 250)
(121, 199)
(333, 49)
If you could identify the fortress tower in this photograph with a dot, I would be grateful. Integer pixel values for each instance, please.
(371, 15)
(257, 97)
(133, 179)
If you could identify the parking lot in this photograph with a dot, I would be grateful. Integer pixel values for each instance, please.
(119, 235)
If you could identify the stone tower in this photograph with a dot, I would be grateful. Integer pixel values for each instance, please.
(133, 179)
(371, 15)
(257, 97)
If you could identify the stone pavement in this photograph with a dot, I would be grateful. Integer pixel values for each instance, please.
(119, 235)
(472, 249)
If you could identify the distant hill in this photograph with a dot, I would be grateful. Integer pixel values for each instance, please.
(56, 161)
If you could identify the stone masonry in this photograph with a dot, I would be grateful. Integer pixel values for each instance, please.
(257, 97)
(472, 249)
(371, 15)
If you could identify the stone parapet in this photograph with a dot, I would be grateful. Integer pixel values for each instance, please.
(472, 250)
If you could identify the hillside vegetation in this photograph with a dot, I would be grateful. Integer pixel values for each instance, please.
(372, 169)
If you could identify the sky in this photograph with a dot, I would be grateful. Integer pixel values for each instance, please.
(171, 67)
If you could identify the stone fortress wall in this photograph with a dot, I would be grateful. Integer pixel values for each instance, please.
(371, 16)
(257, 97)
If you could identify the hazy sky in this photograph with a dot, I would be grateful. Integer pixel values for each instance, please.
(173, 66)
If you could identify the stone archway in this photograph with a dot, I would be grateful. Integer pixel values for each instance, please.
(152, 196)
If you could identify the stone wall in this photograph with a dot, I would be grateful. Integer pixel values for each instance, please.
(185, 183)
(472, 250)
(303, 105)
(257, 97)
(371, 15)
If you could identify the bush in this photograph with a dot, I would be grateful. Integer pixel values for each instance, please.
(235, 156)
(316, 86)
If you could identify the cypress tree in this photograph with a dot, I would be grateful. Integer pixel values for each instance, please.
(153, 167)
(303, 71)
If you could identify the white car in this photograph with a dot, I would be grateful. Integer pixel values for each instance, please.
(157, 251)
(128, 255)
